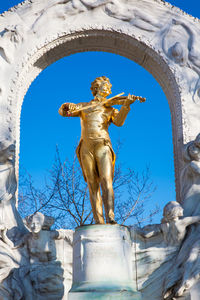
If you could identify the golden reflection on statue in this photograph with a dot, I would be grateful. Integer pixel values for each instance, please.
(95, 152)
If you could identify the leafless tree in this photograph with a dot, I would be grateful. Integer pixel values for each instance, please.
(65, 195)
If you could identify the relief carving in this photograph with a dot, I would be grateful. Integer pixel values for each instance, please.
(173, 260)
(8, 184)
(41, 275)
(10, 38)
(173, 226)
(180, 44)
(132, 15)
(190, 177)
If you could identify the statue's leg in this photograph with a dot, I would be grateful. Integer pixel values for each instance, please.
(89, 166)
(105, 168)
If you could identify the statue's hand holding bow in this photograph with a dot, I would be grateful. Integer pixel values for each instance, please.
(67, 108)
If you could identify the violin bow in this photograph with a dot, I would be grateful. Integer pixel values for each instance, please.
(107, 100)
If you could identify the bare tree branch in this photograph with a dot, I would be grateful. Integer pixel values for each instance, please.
(65, 194)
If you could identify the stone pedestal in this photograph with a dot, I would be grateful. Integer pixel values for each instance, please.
(102, 266)
(195, 291)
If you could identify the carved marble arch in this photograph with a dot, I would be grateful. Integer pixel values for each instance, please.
(159, 37)
(115, 42)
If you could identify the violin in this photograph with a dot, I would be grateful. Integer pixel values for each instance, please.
(116, 100)
(121, 100)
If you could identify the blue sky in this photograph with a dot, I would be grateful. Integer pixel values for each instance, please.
(146, 135)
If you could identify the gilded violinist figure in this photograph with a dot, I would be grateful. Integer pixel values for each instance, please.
(95, 152)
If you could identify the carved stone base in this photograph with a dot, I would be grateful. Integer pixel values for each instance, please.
(123, 295)
(102, 266)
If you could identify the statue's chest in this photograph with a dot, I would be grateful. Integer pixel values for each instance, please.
(100, 114)
(40, 245)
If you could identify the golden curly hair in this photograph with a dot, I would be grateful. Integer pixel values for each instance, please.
(97, 82)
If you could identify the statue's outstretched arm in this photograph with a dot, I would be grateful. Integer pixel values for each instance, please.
(62, 234)
(70, 109)
(190, 220)
(195, 166)
(22, 242)
(57, 234)
(149, 230)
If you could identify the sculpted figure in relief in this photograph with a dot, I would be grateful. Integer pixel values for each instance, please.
(114, 8)
(9, 215)
(190, 178)
(8, 182)
(180, 44)
(186, 270)
(190, 270)
(39, 239)
(95, 152)
(43, 278)
(136, 17)
(10, 38)
(173, 226)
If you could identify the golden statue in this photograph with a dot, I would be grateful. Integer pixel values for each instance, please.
(95, 152)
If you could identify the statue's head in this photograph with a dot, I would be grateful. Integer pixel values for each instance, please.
(171, 211)
(7, 151)
(194, 151)
(197, 140)
(102, 86)
(38, 222)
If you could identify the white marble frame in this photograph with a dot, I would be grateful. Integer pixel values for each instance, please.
(162, 39)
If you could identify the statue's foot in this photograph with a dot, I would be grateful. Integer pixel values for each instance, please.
(167, 295)
(185, 286)
(100, 223)
(180, 291)
(99, 219)
(112, 221)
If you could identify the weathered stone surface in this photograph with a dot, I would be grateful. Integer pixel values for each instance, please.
(35, 266)
(102, 263)
(167, 256)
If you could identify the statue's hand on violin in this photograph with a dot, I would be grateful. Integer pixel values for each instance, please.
(130, 99)
(124, 100)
